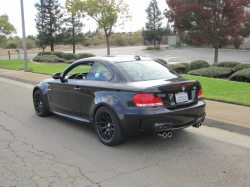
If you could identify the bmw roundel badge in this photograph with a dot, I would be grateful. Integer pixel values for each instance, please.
(183, 88)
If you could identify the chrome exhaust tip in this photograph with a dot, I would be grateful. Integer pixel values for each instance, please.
(169, 134)
(198, 125)
(165, 134)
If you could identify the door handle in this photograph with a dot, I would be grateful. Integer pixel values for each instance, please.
(77, 88)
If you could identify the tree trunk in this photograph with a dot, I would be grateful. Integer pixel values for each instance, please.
(216, 51)
(52, 45)
(107, 40)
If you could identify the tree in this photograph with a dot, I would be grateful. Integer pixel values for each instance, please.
(153, 31)
(73, 22)
(51, 17)
(107, 14)
(207, 22)
(6, 28)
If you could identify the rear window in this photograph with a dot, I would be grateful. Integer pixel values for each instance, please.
(145, 70)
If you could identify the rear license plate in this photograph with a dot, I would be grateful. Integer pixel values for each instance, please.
(181, 97)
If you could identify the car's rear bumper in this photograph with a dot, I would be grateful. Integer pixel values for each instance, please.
(150, 121)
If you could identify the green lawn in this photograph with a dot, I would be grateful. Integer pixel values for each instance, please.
(215, 89)
(223, 90)
(36, 68)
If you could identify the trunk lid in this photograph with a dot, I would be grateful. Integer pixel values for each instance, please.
(174, 93)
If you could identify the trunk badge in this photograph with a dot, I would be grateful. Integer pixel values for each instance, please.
(183, 88)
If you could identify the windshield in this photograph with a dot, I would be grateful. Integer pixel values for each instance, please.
(145, 70)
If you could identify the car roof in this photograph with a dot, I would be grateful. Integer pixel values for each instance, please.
(115, 59)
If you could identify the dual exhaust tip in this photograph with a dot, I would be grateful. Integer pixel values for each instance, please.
(198, 125)
(165, 134)
(169, 134)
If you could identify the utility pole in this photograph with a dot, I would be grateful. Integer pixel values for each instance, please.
(42, 24)
(24, 39)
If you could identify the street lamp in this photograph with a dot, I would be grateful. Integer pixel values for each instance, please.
(24, 38)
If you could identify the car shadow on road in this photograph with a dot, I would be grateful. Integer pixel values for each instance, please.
(179, 138)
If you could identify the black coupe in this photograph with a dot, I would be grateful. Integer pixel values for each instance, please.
(122, 96)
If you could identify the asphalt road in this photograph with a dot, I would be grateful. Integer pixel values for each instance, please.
(175, 55)
(54, 151)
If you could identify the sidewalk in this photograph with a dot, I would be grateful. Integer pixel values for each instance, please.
(222, 115)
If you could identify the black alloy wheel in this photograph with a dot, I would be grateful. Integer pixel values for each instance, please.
(107, 127)
(39, 104)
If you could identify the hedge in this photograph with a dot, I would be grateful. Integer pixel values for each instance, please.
(44, 53)
(69, 56)
(70, 61)
(187, 66)
(48, 58)
(198, 64)
(84, 55)
(228, 64)
(58, 53)
(242, 76)
(161, 60)
(179, 68)
(240, 67)
(215, 72)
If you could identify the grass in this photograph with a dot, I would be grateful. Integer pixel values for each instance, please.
(224, 90)
(36, 68)
(214, 89)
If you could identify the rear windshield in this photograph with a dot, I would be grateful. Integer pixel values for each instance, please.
(145, 70)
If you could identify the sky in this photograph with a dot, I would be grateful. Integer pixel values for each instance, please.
(13, 9)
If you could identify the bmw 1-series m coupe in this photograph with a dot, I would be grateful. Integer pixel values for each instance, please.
(122, 96)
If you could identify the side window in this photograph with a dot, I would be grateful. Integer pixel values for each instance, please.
(79, 72)
(99, 73)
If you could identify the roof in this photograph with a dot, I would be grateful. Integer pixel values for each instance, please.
(119, 58)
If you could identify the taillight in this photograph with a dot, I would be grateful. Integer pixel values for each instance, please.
(200, 94)
(147, 100)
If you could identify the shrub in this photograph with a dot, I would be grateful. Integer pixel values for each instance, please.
(198, 64)
(11, 45)
(150, 48)
(43, 53)
(228, 64)
(216, 72)
(58, 53)
(70, 61)
(240, 67)
(84, 55)
(161, 60)
(48, 58)
(179, 68)
(69, 56)
(29, 43)
(242, 75)
(187, 66)
(87, 43)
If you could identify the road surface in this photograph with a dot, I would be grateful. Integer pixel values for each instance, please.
(175, 55)
(54, 151)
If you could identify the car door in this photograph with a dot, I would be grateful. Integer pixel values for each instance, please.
(96, 81)
(66, 98)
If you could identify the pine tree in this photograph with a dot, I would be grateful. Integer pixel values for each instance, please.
(153, 30)
(49, 17)
(73, 23)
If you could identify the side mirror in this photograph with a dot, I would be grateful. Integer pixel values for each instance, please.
(56, 76)
(62, 78)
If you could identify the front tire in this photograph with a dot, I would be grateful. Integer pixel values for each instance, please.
(107, 127)
(39, 104)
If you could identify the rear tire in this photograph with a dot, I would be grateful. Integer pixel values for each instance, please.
(107, 127)
(39, 104)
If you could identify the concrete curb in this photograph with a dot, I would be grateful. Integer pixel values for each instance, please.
(18, 79)
(227, 126)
